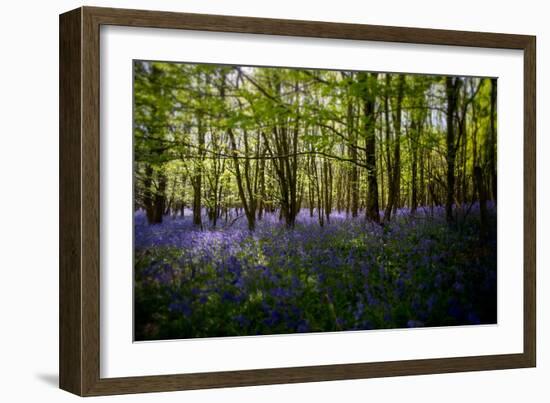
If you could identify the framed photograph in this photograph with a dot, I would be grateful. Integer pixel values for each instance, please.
(248, 201)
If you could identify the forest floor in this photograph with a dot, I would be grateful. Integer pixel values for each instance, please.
(348, 275)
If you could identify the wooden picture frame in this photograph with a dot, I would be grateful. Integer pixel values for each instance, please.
(79, 346)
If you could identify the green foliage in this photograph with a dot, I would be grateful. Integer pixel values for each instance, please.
(183, 114)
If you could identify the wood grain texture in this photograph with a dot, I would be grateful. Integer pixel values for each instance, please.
(90, 201)
(79, 201)
(161, 383)
(70, 274)
(530, 202)
(315, 29)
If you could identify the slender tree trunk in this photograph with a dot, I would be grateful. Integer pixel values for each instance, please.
(452, 85)
(396, 185)
(248, 210)
(483, 229)
(387, 127)
(160, 200)
(197, 178)
(354, 169)
(369, 102)
(262, 188)
(415, 133)
(327, 185)
(148, 194)
(320, 214)
(197, 188)
(382, 178)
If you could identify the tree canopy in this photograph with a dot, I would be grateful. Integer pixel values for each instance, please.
(220, 139)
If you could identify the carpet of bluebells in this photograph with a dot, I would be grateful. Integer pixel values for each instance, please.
(348, 275)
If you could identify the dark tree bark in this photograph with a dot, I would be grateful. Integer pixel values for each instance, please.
(285, 137)
(480, 186)
(354, 169)
(148, 194)
(159, 200)
(452, 85)
(261, 175)
(387, 129)
(327, 187)
(196, 181)
(213, 177)
(396, 185)
(381, 178)
(311, 185)
(249, 204)
(416, 128)
(320, 199)
(369, 102)
(245, 183)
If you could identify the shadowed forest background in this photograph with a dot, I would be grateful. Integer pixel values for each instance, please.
(278, 200)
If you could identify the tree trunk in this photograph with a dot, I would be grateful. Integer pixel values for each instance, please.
(262, 187)
(354, 174)
(148, 195)
(451, 86)
(483, 228)
(396, 185)
(327, 185)
(197, 178)
(369, 102)
(387, 127)
(415, 133)
(160, 200)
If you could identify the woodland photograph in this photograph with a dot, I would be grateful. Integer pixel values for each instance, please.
(274, 200)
